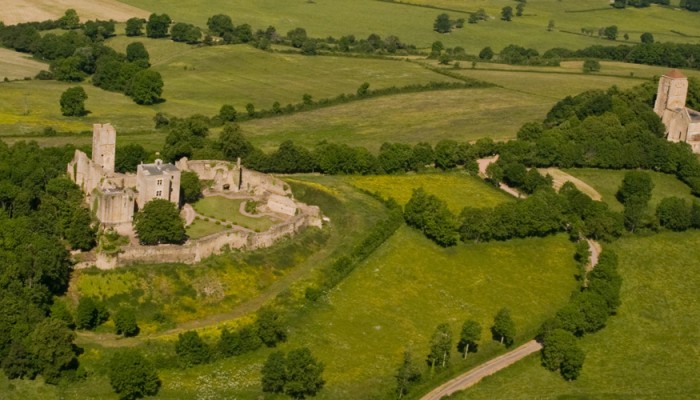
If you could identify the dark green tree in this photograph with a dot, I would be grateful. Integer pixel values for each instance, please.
(129, 156)
(73, 102)
(249, 338)
(610, 32)
(519, 9)
(309, 47)
(69, 20)
(442, 24)
(304, 374)
(440, 346)
(507, 13)
(503, 328)
(297, 37)
(61, 312)
(90, 313)
(674, 214)
(271, 328)
(431, 215)
(53, 350)
(560, 351)
(159, 222)
(183, 32)
(274, 373)
(134, 26)
(486, 53)
(157, 25)
(81, 232)
(191, 349)
(233, 144)
(591, 65)
(647, 38)
(250, 109)
(229, 343)
(132, 376)
(190, 187)
(363, 90)
(227, 113)
(407, 374)
(220, 24)
(136, 52)
(469, 337)
(146, 87)
(125, 323)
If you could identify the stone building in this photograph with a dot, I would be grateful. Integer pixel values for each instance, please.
(682, 123)
(115, 197)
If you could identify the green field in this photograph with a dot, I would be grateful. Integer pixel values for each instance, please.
(227, 210)
(457, 190)
(202, 79)
(648, 351)
(363, 17)
(607, 182)
(200, 228)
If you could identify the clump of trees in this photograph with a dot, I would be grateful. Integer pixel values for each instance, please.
(297, 374)
(443, 23)
(159, 222)
(73, 102)
(132, 376)
(431, 215)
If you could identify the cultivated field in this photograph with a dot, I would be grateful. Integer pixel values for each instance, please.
(648, 351)
(457, 190)
(14, 65)
(363, 17)
(16, 11)
(607, 182)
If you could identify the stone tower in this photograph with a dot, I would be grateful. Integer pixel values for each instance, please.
(104, 140)
(672, 92)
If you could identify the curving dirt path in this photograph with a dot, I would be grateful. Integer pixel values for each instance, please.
(560, 177)
(473, 376)
(484, 163)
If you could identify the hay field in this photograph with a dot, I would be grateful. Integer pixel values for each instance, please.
(14, 65)
(16, 11)
(363, 17)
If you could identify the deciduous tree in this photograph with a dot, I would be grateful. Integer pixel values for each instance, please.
(469, 337)
(73, 102)
(159, 222)
(503, 328)
(132, 376)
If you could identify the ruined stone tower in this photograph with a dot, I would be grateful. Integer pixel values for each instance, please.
(104, 140)
(672, 92)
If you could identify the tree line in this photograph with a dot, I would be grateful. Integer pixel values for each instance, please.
(80, 52)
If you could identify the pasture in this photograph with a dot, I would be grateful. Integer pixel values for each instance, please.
(363, 17)
(457, 190)
(648, 351)
(607, 182)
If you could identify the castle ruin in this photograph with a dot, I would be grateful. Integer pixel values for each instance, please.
(682, 123)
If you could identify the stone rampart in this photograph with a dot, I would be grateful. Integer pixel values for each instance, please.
(194, 251)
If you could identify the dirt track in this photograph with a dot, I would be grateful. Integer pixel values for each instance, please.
(15, 11)
(488, 368)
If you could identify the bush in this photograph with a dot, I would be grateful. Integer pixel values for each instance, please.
(125, 323)
(191, 349)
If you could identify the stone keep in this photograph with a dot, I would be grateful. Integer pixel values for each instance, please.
(115, 197)
(682, 123)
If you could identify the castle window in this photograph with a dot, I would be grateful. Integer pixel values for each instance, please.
(159, 193)
(160, 182)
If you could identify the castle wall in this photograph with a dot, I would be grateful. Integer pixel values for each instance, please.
(114, 207)
(196, 250)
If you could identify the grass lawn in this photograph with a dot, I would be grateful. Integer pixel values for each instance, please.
(607, 182)
(458, 190)
(200, 228)
(363, 17)
(648, 351)
(225, 209)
